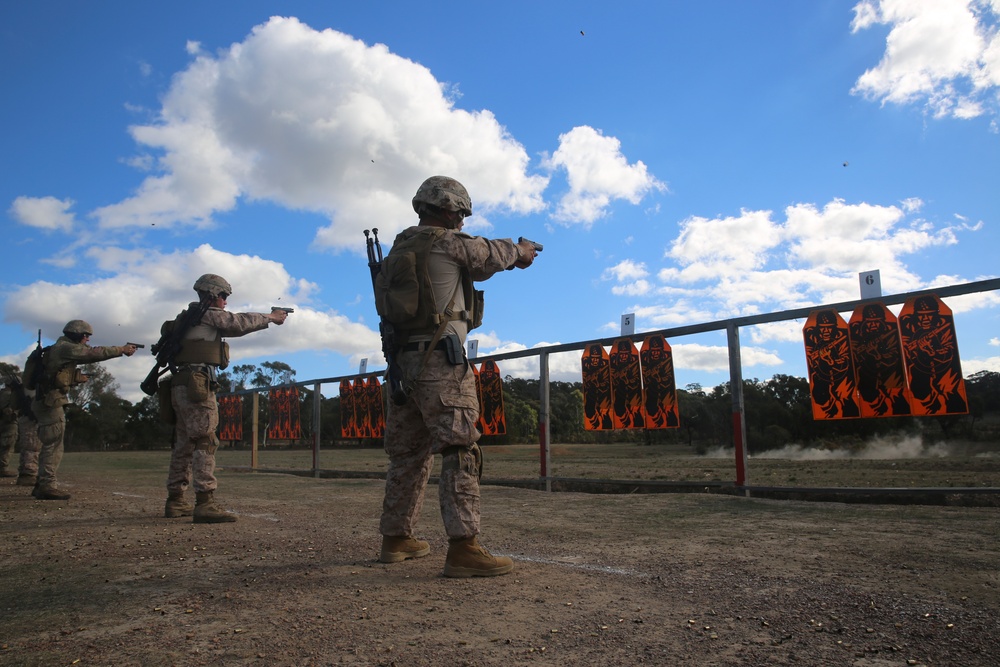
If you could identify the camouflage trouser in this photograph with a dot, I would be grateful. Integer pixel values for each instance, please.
(8, 438)
(440, 414)
(195, 442)
(51, 429)
(30, 445)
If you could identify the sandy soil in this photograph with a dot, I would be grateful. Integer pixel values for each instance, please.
(666, 579)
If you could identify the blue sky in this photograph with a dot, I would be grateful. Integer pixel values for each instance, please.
(682, 161)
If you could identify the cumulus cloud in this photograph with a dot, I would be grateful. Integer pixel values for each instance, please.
(943, 53)
(598, 173)
(761, 262)
(148, 288)
(319, 121)
(46, 213)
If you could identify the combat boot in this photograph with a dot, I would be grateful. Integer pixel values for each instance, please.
(206, 511)
(396, 549)
(177, 507)
(49, 493)
(26, 480)
(467, 558)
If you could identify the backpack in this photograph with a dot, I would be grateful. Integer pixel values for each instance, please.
(403, 293)
(34, 367)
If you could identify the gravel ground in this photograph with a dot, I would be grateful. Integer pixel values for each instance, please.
(665, 579)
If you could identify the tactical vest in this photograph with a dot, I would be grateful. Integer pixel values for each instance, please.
(404, 295)
(214, 352)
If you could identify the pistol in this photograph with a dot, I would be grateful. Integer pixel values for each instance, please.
(287, 310)
(138, 345)
(534, 244)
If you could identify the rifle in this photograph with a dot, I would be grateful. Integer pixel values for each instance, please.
(169, 345)
(393, 373)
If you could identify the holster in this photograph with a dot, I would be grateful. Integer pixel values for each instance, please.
(163, 395)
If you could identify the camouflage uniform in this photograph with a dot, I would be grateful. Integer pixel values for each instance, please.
(30, 446)
(8, 428)
(197, 417)
(440, 413)
(58, 376)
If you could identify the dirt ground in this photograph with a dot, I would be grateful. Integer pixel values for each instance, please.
(656, 579)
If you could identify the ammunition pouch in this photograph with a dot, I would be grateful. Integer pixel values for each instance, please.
(214, 352)
(163, 395)
(478, 303)
(198, 383)
(64, 377)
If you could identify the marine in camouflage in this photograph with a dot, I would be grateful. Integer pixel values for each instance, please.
(440, 414)
(58, 375)
(192, 461)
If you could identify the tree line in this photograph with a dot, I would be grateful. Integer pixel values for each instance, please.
(778, 413)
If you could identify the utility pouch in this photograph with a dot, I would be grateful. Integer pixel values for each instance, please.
(453, 348)
(478, 303)
(203, 352)
(167, 415)
(79, 377)
(197, 384)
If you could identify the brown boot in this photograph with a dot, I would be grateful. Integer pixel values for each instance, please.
(467, 558)
(177, 507)
(206, 511)
(49, 493)
(25, 480)
(395, 549)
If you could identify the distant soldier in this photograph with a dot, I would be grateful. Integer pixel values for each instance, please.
(58, 375)
(27, 436)
(8, 424)
(193, 384)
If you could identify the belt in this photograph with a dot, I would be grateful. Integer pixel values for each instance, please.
(420, 346)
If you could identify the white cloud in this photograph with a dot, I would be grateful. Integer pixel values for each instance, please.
(317, 120)
(752, 263)
(598, 174)
(945, 53)
(149, 288)
(715, 358)
(46, 213)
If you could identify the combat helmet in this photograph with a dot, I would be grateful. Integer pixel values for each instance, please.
(78, 327)
(443, 192)
(213, 285)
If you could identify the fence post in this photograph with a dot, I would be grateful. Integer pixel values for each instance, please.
(317, 406)
(544, 427)
(739, 410)
(254, 431)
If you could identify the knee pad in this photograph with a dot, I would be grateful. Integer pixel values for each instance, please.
(467, 459)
